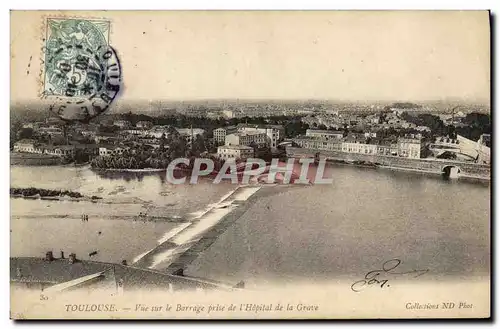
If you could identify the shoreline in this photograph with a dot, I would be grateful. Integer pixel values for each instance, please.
(406, 169)
(56, 198)
(482, 178)
(130, 170)
(131, 218)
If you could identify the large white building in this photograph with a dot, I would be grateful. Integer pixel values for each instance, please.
(31, 146)
(357, 146)
(221, 133)
(25, 146)
(409, 147)
(235, 151)
(319, 144)
(109, 150)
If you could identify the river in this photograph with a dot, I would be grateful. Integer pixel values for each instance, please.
(40, 225)
(310, 233)
(342, 231)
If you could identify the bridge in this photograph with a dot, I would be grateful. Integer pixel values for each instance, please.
(451, 168)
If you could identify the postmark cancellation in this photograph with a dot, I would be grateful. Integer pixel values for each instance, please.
(81, 71)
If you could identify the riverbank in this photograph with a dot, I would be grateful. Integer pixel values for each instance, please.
(429, 172)
(131, 170)
(34, 159)
(131, 218)
(426, 165)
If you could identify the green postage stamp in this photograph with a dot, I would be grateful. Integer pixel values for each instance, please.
(81, 70)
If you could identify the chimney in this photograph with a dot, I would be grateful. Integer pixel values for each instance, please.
(49, 256)
(72, 258)
(62, 254)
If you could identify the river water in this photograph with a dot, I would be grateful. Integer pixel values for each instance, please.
(319, 232)
(40, 225)
(353, 226)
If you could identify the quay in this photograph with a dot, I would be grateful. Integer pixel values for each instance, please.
(448, 168)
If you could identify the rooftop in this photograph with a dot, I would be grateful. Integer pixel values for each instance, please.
(236, 147)
(320, 131)
(34, 269)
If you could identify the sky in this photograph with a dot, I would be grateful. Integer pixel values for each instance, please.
(331, 55)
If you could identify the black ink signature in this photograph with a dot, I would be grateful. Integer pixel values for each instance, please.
(376, 278)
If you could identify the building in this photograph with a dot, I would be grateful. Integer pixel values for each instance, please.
(324, 134)
(213, 115)
(246, 139)
(134, 131)
(190, 133)
(319, 144)
(25, 145)
(275, 133)
(144, 125)
(387, 148)
(485, 139)
(235, 151)
(423, 128)
(91, 149)
(354, 144)
(51, 131)
(109, 150)
(220, 134)
(409, 147)
(158, 131)
(122, 124)
(105, 137)
(53, 274)
(61, 150)
(483, 148)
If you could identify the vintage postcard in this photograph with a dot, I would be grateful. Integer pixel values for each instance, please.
(250, 164)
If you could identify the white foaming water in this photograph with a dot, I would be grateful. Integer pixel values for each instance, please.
(197, 229)
(138, 258)
(190, 235)
(200, 213)
(173, 232)
(168, 256)
(245, 193)
(179, 230)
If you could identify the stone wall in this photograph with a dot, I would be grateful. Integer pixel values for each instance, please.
(29, 159)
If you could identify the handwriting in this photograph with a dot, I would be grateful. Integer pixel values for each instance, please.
(378, 278)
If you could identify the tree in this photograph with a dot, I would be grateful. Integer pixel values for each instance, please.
(163, 140)
(199, 145)
(25, 133)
